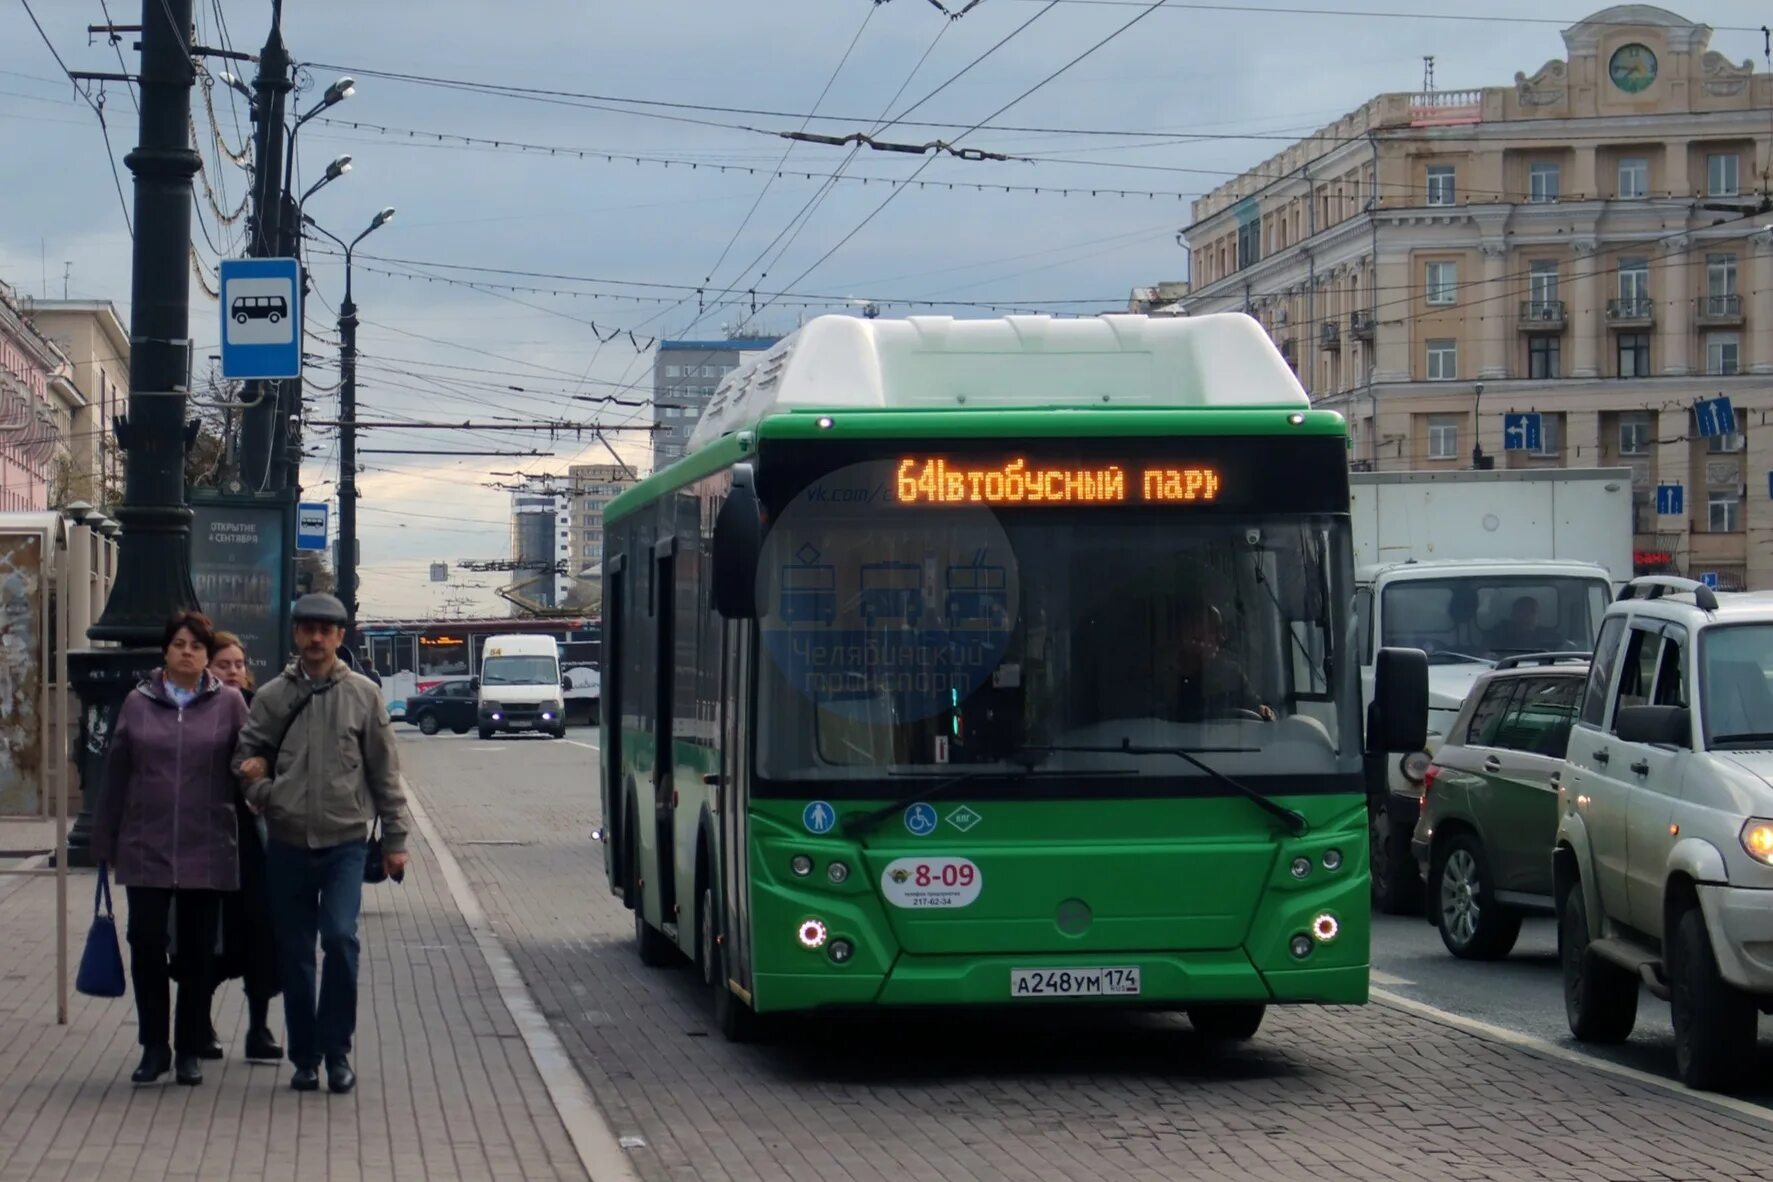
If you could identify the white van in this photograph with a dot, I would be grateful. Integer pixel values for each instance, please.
(520, 686)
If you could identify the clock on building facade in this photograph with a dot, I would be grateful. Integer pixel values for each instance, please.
(1632, 68)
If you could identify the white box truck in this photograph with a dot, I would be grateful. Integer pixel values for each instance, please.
(1470, 567)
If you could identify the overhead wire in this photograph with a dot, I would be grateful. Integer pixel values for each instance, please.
(98, 109)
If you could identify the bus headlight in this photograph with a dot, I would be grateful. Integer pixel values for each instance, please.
(840, 951)
(801, 865)
(811, 933)
(1415, 766)
(1300, 946)
(1325, 928)
(1301, 866)
(837, 872)
(1332, 860)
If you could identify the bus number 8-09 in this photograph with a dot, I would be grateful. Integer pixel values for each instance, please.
(949, 876)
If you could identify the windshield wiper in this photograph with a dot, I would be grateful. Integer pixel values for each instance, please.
(1295, 821)
(1433, 657)
(1743, 737)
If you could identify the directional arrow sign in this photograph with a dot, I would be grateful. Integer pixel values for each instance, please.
(1715, 416)
(1522, 432)
(1671, 500)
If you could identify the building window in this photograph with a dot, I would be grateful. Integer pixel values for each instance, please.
(1634, 436)
(1634, 283)
(1634, 354)
(1542, 282)
(1443, 437)
(1443, 283)
(1721, 174)
(1542, 181)
(1721, 445)
(1720, 284)
(1440, 184)
(1249, 244)
(1724, 511)
(1634, 178)
(1543, 356)
(672, 371)
(1551, 437)
(1443, 360)
(1722, 354)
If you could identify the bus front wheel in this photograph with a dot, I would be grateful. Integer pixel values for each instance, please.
(738, 1022)
(1227, 1023)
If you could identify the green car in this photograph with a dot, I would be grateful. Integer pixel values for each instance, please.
(1490, 803)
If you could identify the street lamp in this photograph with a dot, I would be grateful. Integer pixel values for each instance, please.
(335, 94)
(234, 83)
(1479, 461)
(347, 559)
(334, 171)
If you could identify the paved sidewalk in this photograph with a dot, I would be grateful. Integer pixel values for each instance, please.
(447, 1088)
(1322, 1093)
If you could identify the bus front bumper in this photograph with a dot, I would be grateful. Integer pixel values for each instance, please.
(1166, 981)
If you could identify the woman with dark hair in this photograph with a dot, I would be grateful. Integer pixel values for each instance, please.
(249, 949)
(166, 825)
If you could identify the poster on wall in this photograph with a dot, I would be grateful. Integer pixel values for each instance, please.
(22, 658)
(237, 569)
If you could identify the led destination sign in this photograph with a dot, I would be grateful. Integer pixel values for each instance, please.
(933, 480)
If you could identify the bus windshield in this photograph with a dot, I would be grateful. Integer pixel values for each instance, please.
(535, 670)
(1483, 618)
(944, 644)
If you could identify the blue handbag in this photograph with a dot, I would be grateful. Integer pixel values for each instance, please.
(101, 964)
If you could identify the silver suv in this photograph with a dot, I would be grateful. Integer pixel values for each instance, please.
(1489, 803)
(1663, 868)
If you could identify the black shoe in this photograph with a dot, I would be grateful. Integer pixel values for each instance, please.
(260, 1044)
(305, 1079)
(212, 1049)
(339, 1076)
(189, 1070)
(156, 1062)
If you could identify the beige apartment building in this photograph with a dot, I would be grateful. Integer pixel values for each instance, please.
(1589, 243)
(593, 486)
(96, 345)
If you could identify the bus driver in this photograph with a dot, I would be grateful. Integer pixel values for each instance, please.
(1210, 683)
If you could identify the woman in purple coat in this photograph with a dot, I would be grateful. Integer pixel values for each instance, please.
(166, 825)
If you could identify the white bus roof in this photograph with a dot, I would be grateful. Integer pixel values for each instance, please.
(929, 362)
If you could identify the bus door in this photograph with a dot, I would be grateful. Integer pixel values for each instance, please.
(615, 608)
(665, 661)
(734, 798)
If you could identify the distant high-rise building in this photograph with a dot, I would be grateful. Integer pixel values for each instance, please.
(593, 486)
(685, 374)
(541, 523)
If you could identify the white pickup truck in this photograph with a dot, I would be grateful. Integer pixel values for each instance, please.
(1471, 567)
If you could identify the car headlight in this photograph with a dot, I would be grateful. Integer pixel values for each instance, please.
(1415, 766)
(1757, 839)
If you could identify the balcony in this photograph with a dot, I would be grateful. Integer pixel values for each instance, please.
(1720, 311)
(1446, 108)
(1631, 312)
(1329, 337)
(1360, 326)
(1542, 316)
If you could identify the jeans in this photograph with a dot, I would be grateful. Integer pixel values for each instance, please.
(150, 973)
(317, 893)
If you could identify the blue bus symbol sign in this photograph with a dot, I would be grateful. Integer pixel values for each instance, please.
(818, 817)
(261, 303)
(920, 819)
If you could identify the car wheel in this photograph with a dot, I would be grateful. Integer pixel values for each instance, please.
(738, 1022)
(1397, 886)
(1229, 1023)
(460, 730)
(1714, 1022)
(1600, 998)
(1472, 924)
(428, 724)
(486, 732)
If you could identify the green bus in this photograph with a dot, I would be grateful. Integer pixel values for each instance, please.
(1070, 713)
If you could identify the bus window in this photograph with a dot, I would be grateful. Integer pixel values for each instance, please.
(443, 655)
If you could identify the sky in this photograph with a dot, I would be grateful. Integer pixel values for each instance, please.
(596, 258)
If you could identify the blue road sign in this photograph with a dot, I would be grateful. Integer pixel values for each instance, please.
(261, 318)
(1716, 417)
(1671, 500)
(818, 817)
(1710, 579)
(920, 819)
(1521, 432)
(311, 525)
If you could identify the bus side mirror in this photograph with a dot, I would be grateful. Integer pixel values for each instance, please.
(738, 542)
(1399, 719)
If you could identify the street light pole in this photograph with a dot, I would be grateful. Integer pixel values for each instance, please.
(154, 557)
(347, 560)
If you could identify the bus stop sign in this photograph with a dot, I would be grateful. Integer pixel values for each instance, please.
(261, 318)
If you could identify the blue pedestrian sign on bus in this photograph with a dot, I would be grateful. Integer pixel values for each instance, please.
(1710, 579)
(261, 318)
(1716, 417)
(818, 817)
(1671, 500)
(1521, 432)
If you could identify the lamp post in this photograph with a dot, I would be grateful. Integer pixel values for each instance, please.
(347, 560)
(1479, 461)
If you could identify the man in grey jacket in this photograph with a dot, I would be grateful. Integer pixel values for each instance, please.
(317, 759)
